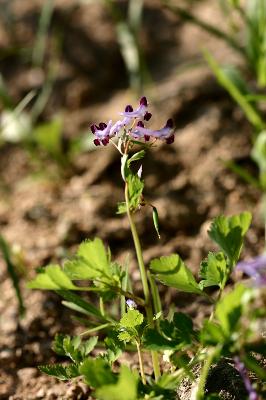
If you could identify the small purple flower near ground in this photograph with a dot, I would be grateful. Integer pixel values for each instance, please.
(131, 304)
(256, 269)
(252, 395)
(133, 127)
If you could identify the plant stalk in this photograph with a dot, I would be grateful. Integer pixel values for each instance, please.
(212, 352)
(143, 377)
(144, 279)
(155, 295)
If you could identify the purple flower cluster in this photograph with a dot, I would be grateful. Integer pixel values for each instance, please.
(133, 126)
(256, 269)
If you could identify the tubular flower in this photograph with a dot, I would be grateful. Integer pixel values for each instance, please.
(166, 133)
(140, 112)
(102, 133)
(256, 269)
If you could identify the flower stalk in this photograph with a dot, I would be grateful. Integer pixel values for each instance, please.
(144, 279)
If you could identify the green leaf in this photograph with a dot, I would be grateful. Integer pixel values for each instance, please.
(125, 171)
(53, 278)
(114, 347)
(228, 233)
(73, 347)
(155, 218)
(169, 381)
(92, 261)
(183, 323)
(175, 334)
(87, 347)
(131, 319)
(70, 346)
(124, 389)
(11, 269)
(137, 156)
(126, 336)
(154, 341)
(171, 271)
(121, 208)
(213, 271)
(229, 308)
(61, 372)
(57, 345)
(211, 334)
(97, 372)
(81, 303)
(258, 154)
(235, 92)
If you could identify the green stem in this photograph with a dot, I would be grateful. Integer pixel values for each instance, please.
(155, 294)
(211, 354)
(102, 307)
(144, 279)
(143, 378)
(96, 329)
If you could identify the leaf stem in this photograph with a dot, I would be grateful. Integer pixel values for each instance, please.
(211, 354)
(143, 378)
(143, 274)
(155, 294)
(95, 329)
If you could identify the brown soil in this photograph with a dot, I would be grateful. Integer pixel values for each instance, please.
(47, 212)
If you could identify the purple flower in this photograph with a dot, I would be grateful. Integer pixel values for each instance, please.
(140, 112)
(255, 268)
(166, 133)
(243, 372)
(102, 133)
(132, 118)
(131, 304)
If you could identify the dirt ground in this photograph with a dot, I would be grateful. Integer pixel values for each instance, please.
(47, 212)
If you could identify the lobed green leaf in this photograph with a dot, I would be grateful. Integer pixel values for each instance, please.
(97, 372)
(214, 271)
(124, 389)
(53, 278)
(228, 233)
(61, 372)
(171, 271)
(92, 261)
(131, 319)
